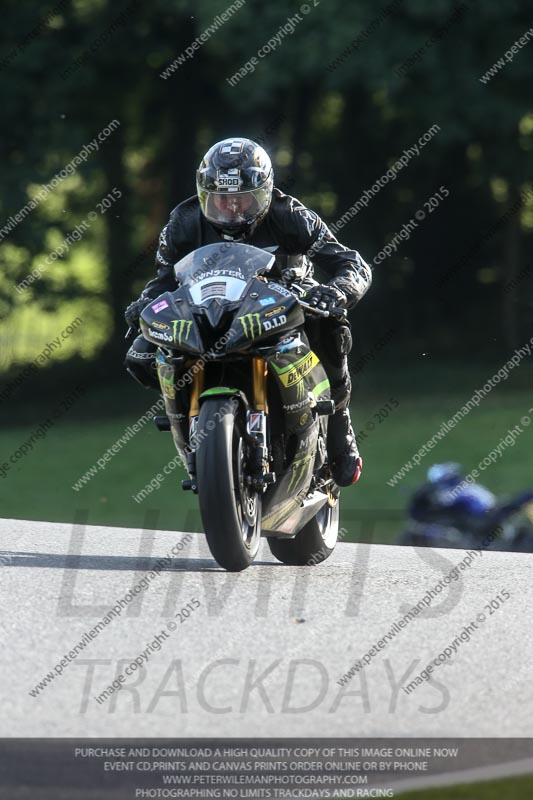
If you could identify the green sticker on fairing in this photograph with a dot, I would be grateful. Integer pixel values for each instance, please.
(299, 469)
(250, 324)
(182, 329)
(218, 390)
(166, 379)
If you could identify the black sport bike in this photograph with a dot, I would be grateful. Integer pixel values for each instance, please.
(247, 403)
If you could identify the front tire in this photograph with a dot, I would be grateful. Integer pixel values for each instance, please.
(230, 510)
(314, 543)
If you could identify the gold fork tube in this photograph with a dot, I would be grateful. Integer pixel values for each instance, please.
(197, 388)
(260, 372)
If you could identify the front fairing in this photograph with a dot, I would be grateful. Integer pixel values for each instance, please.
(169, 323)
(267, 309)
(223, 298)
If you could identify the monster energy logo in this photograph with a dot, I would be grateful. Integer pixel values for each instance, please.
(182, 329)
(299, 469)
(249, 322)
(300, 390)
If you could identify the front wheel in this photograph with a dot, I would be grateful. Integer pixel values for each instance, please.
(314, 543)
(230, 510)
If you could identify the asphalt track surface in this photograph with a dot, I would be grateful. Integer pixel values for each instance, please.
(262, 653)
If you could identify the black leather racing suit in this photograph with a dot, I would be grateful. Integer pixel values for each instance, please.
(288, 230)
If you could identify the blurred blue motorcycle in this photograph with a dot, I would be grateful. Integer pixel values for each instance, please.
(444, 512)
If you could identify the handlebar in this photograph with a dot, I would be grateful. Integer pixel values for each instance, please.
(337, 313)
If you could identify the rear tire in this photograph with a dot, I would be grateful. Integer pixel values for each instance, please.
(230, 511)
(314, 543)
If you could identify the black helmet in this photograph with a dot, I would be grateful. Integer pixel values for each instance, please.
(234, 184)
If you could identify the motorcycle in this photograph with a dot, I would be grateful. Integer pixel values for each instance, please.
(446, 512)
(247, 403)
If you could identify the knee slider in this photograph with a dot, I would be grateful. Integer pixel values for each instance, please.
(343, 339)
(341, 392)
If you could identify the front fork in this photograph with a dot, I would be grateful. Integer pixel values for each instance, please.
(256, 426)
(259, 475)
(197, 388)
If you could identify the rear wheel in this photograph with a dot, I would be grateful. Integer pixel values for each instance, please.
(230, 510)
(314, 543)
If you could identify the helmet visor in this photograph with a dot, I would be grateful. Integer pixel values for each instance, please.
(234, 208)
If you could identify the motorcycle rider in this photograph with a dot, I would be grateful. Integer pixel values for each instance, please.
(237, 201)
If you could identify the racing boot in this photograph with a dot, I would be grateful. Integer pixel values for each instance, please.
(344, 459)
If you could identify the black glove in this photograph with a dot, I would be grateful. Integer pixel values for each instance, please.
(325, 297)
(134, 310)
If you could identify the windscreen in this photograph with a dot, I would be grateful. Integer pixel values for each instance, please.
(229, 259)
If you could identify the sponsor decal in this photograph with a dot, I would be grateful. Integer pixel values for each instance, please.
(274, 311)
(280, 289)
(216, 289)
(270, 324)
(299, 469)
(160, 326)
(230, 180)
(182, 329)
(163, 238)
(267, 301)
(161, 337)
(166, 380)
(310, 219)
(213, 273)
(250, 324)
(291, 375)
(255, 422)
(159, 306)
(300, 390)
(296, 406)
(303, 419)
(307, 441)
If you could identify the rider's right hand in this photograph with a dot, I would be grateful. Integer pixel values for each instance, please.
(134, 310)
